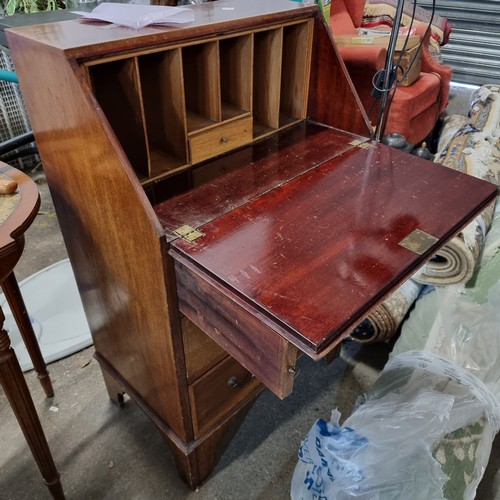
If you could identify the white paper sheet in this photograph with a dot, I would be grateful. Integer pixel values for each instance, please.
(137, 16)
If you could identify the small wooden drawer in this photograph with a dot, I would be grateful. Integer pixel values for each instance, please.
(200, 351)
(233, 325)
(218, 392)
(221, 139)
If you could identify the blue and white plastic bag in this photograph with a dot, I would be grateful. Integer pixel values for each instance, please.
(384, 450)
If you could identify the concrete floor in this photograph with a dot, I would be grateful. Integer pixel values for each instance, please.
(105, 452)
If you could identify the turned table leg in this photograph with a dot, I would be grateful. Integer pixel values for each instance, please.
(18, 308)
(17, 392)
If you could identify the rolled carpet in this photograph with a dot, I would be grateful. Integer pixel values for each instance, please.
(456, 262)
(381, 324)
(475, 150)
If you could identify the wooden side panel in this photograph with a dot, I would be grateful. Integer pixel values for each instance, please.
(164, 109)
(112, 235)
(117, 89)
(202, 84)
(332, 97)
(268, 46)
(297, 45)
(236, 75)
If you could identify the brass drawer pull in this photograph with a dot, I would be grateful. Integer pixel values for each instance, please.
(233, 381)
(224, 139)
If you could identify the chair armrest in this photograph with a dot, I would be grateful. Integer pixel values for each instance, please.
(369, 57)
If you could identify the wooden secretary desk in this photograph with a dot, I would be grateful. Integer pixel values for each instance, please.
(222, 205)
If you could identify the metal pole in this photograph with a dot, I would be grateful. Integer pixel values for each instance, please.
(389, 75)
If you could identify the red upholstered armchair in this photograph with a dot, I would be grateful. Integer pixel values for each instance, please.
(415, 109)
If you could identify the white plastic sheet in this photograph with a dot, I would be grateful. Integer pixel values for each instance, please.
(138, 16)
(384, 450)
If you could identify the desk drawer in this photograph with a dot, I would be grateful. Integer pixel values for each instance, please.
(200, 351)
(242, 333)
(220, 390)
(220, 140)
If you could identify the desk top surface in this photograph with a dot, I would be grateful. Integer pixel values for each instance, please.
(316, 252)
(86, 38)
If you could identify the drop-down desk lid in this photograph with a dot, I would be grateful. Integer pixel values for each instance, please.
(298, 265)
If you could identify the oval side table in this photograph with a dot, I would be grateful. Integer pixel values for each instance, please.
(17, 212)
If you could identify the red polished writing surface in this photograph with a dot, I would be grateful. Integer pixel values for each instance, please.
(238, 177)
(316, 253)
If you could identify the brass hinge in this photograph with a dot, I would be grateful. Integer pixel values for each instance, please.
(418, 241)
(188, 233)
(364, 144)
